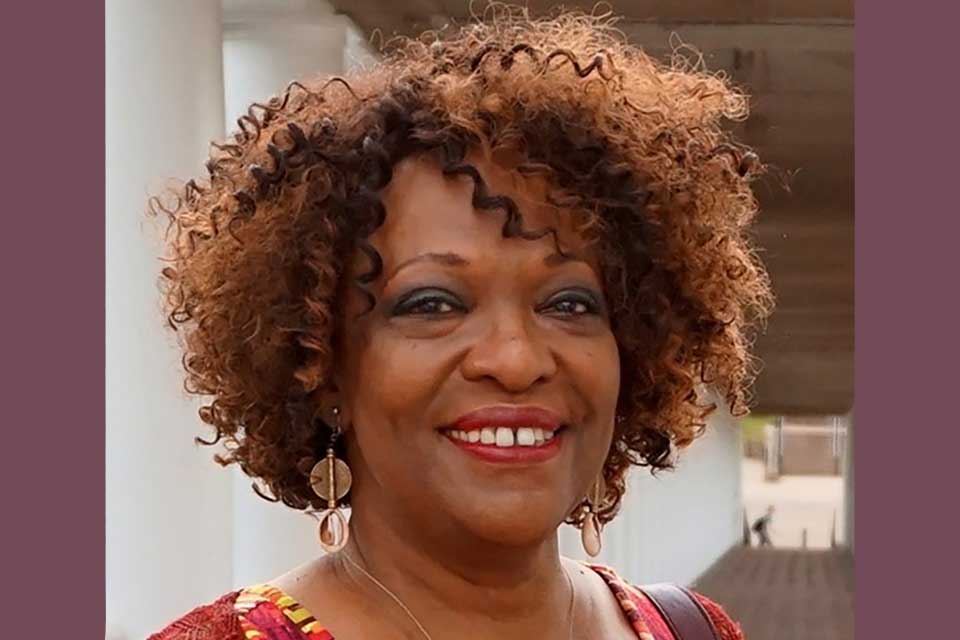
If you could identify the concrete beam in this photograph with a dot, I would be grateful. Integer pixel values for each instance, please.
(413, 16)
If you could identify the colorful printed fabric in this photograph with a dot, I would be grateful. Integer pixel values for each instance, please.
(215, 621)
(641, 613)
(263, 612)
(646, 618)
(266, 613)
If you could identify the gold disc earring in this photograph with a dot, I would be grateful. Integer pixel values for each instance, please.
(331, 479)
(591, 527)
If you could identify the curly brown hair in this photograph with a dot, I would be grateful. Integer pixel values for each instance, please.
(634, 147)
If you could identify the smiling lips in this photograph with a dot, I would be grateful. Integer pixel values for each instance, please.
(507, 433)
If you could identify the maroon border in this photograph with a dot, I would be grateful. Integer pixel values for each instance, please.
(907, 442)
(53, 319)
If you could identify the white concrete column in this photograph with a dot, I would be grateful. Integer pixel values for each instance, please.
(848, 483)
(266, 45)
(168, 506)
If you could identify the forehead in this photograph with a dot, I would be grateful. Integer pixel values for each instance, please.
(427, 211)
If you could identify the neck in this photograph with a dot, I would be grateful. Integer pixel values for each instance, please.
(445, 574)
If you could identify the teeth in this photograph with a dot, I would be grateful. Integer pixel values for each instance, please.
(504, 436)
(526, 437)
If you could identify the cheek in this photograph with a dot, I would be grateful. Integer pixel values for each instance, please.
(598, 370)
(598, 380)
(394, 383)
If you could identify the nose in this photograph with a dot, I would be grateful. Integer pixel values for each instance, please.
(511, 354)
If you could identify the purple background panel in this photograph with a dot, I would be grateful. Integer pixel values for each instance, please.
(906, 314)
(53, 319)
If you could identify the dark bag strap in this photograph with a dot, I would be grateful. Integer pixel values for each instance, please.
(681, 611)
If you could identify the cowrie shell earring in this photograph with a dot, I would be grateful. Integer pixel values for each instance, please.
(330, 479)
(591, 527)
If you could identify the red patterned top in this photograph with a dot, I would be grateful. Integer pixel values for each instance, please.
(263, 612)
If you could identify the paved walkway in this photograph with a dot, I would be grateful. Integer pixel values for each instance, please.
(785, 594)
(803, 503)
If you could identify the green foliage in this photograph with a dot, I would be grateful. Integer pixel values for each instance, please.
(753, 425)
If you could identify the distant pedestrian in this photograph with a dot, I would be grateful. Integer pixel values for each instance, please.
(761, 527)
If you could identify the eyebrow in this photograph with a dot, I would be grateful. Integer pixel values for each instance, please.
(456, 260)
(450, 259)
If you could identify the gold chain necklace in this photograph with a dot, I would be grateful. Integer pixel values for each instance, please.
(409, 613)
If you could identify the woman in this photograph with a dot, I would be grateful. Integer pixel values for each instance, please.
(462, 293)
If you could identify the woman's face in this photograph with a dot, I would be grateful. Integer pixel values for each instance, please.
(467, 319)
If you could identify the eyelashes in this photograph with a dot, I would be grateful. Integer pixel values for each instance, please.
(428, 302)
(575, 302)
(434, 302)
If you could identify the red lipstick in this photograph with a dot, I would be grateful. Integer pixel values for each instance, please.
(509, 416)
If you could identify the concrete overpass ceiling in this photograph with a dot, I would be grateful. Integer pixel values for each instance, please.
(795, 59)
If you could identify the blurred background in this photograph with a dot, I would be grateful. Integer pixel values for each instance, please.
(181, 530)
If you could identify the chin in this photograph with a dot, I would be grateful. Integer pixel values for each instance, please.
(518, 523)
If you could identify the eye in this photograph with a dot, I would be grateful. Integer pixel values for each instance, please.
(427, 302)
(573, 307)
(575, 303)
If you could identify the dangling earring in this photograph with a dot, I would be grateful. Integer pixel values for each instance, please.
(331, 479)
(591, 527)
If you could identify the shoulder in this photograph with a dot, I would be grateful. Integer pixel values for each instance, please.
(636, 604)
(217, 620)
